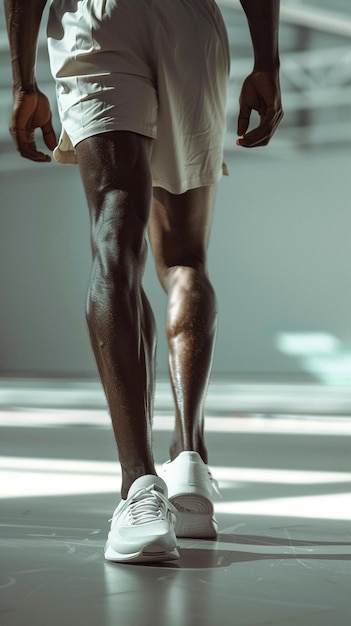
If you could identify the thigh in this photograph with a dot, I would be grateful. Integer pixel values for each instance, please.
(115, 173)
(179, 228)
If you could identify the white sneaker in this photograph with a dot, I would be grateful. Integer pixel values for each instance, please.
(190, 489)
(142, 526)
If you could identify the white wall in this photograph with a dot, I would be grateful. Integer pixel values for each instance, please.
(279, 259)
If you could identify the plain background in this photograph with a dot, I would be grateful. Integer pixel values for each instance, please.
(279, 254)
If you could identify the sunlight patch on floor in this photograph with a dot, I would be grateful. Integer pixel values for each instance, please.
(28, 477)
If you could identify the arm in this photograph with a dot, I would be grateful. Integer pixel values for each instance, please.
(261, 90)
(31, 108)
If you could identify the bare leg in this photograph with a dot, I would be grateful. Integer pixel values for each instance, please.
(115, 173)
(179, 232)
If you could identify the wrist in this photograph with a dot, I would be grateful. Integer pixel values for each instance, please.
(23, 69)
(267, 65)
(24, 87)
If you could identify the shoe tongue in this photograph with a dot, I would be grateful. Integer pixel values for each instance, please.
(147, 481)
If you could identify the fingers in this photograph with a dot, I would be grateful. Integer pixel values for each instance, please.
(262, 134)
(29, 151)
(260, 92)
(25, 145)
(31, 111)
(243, 119)
(49, 135)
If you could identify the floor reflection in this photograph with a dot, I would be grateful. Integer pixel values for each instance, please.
(281, 557)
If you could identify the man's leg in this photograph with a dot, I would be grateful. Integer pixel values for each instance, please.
(179, 232)
(115, 172)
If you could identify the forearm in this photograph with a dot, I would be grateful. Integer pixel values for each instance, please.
(263, 20)
(23, 19)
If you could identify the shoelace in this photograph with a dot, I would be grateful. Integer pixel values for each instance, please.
(147, 506)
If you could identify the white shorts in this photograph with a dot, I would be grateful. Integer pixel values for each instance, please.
(154, 67)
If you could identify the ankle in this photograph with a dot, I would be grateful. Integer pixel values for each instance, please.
(177, 447)
(129, 477)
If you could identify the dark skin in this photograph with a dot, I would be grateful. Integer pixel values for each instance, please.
(120, 319)
(31, 108)
(261, 90)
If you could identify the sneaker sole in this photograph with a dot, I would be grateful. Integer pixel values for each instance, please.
(195, 516)
(147, 554)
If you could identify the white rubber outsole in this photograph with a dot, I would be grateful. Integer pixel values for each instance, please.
(195, 516)
(147, 554)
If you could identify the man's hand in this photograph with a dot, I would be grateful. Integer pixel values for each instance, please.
(261, 92)
(31, 110)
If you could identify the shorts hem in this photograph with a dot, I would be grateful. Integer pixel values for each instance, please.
(183, 186)
(65, 150)
(76, 139)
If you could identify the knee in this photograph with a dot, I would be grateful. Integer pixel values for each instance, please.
(192, 301)
(115, 279)
(182, 269)
(189, 281)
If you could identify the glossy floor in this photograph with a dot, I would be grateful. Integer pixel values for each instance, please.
(283, 553)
